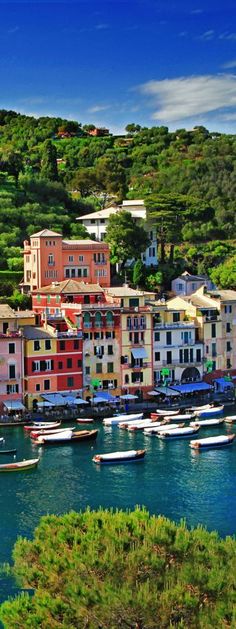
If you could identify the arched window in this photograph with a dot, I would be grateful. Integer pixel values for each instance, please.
(109, 319)
(87, 320)
(98, 320)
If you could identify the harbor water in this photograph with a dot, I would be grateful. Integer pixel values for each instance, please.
(172, 480)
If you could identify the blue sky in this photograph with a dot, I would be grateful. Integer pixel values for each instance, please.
(111, 62)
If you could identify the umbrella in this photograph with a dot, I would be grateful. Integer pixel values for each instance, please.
(79, 401)
(129, 396)
(98, 400)
(45, 404)
(153, 393)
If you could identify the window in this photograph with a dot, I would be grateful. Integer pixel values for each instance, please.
(126, 379)
(36, 365)
(67, 273)
(110, 350)
(71, 258)
(48, 344)
(109, 319)
(70, 381)
(176, 317)
(213, 349)
(228, 328)
(87, 371)
(168, 338)
(79, 363)
(136, 338)
(99, 350)
(87, 319)
(110, 367)
(72, 272)
(12, 371)
(180, 286)
(198, 356)
(157, 356)
(98, 320)
(76, 344)
(228, 363)
(12, 388)
(228, 309)
(86, 299)
(12, 348)
(213, 330)
(99, 368)
(51, 260)
(69, 363)
(37, 387)
(157, 336)
(169, 358)
(133, 302)
(228, 346)
(48, 299)
(81, 258)
(62, 345)
(46, 385)
(180, 355)
(191, 355)
(60, 365)
(36, 346)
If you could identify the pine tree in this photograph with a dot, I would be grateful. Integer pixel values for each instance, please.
(49, 161)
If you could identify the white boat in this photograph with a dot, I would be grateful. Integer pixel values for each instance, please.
(128, 456)
(165, 412)
(117, 419)
(1, 439)
(141, 425)
(230, 419)
(210, 412)
(207, 422)
(34, 434)
(182, 418)
(65, 435)
(212, 442)
(178, 433)
(154, 430)
(85, 420)
(42, 426)
(204, 407)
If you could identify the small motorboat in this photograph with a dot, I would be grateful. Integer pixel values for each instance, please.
(204, 407)
(19, 466)
(210, 412)
(13, 451)
(154, 430)
(117, 419)
(85, 420)
(207, 422)
(178, 433)
(67, 438)
(165, 412)
(212, 442)
(128, 456)
(34, 434)
(183, 418)
(230, 419)
(42, 426)
(144, 424)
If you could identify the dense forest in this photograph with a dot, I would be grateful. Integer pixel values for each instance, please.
(52, 170)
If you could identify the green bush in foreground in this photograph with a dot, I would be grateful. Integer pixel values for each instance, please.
(105, 569)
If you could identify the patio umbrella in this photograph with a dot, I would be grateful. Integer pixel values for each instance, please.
(98, 400)
(153, 393)
(129, 396)
(78, 401)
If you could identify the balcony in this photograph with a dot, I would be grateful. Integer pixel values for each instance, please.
(176, 362)
(101, 262)
(133, 328)
(136, 367)
(174, 326)
(52, 263)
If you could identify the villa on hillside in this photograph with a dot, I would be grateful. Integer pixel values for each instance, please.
(186, 283)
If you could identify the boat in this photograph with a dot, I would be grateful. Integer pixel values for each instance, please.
(212, 442)
(1, 439)
(19, 466)
(69, 437)
(184, 417)
(54, 431)
(85, 420)
(128, 456)
(230, 420)
(42, 426)
(165, 412)
(207, 422)
(210, 412)
(145, 424)
(178, 433)
(204, 407)
(13, 451)
(154, 430)
(117, 419)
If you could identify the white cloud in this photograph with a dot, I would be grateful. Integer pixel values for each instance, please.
(101, 27)
(229, 64)
(228, 36)
(207, 36)
(186, 97)
(96, 108)
(196, 11)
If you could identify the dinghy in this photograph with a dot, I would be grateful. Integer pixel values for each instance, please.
(34, 434)
(165, 412)
(207, 422)
(230, 420)
(128, 456)
(141, 425)
(212, 442)
(183, 418)
(85, 420)
(42, 426)
(68, 438)
(178, 433)
(204, 407)
(113, 421)
(210, 412)
(154, 430)
(20, 466)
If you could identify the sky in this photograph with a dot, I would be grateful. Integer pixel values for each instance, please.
(113, 62)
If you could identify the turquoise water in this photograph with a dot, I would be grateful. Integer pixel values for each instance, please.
(172, 480)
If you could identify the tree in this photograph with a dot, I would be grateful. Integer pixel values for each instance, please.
(49, 161)
(84, 181)
(224, 275)
(127, 238)
(139, 273)
(104, 569)
(132, 128)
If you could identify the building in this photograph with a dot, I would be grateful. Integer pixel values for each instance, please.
(96, 225)
(186, 283)
(99, 132)
(11, 360)
(49, 258)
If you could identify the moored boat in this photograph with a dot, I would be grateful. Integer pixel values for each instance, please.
(178, 433)
(230, 419)
(128, 456)
(210, 412)
(204, 407)
(41, 426)
(207, 422)
(12, 451)
(165, 412)
(212, 442)
(34, 434)
(145, 424)
(183, 418)
(117, 419)
(19, 466)
(154, 430)
(85, 420)
(68, 438)
(1, 439)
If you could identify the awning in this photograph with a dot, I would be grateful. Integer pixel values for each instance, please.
(55, 399)
(44, 404)
(14, 405)
(139, 352)
(167, 391)
(223, 384)
(153, 393)
(108, 397)
(192, 387)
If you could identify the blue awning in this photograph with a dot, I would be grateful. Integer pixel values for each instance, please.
(107, 396)
(139, 352)
(223, 384)
(14, 405)
(55, 399)
(192, 387)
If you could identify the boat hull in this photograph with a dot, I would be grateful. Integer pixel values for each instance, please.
(113, 421)
(124, 457)
(212, 442)
(90, 435)
(211, 412)
(21, 466)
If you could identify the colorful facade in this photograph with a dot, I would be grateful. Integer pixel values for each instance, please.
(11, 359)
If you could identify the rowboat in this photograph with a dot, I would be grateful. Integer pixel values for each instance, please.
(230, 420)
(113, 421)
(184, 417)
(212, 442)
(128, 456)
(145, 424)
(68, 438)
(210, 412)
(154, 430)
(165, 412)
(204, 407)
(85, 420)
(178, 433)
(19, 466)
(42, 426)
(13, 451)
(54, 431)
(207, 422)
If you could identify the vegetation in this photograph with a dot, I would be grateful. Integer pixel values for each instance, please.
(122, 569)
(126, 238)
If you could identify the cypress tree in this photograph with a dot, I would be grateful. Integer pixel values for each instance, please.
(49, 161)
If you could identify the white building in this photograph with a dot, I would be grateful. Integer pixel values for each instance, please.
(96, 225)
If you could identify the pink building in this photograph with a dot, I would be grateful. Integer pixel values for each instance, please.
(11, 360)
(48, 258)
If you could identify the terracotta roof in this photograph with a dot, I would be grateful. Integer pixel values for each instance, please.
(85, 243)
(69, 287)
(45, 232)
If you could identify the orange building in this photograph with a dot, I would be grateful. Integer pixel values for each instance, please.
(48, 258)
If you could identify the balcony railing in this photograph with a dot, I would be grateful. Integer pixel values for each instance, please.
(174, 326)
(135, 367)
(178, 363)
(141, 326)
